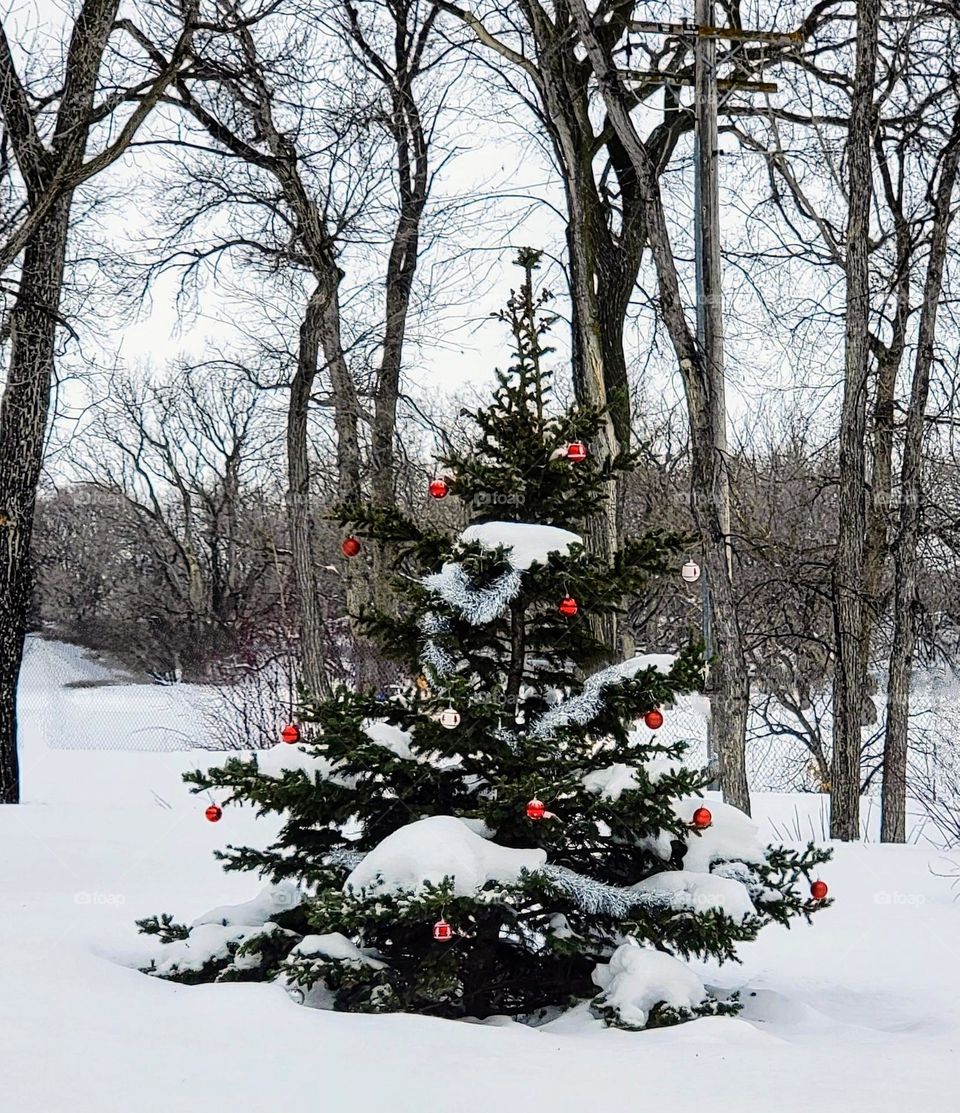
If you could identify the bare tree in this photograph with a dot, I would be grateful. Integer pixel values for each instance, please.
(49, 145)
(905, 547)
(317, 176)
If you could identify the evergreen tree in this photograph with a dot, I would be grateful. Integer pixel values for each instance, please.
(505, 834)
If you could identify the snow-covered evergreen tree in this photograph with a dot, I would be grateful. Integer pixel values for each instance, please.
(506, 834)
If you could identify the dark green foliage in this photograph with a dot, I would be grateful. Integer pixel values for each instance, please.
(164, 927)
(531, 945)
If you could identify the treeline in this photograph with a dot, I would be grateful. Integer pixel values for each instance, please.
(327, 182)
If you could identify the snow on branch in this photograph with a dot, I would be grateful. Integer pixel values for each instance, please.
(674, 891)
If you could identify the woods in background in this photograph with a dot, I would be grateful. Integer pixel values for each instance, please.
(305, 188)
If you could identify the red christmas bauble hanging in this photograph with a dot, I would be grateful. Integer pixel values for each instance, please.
(290, 733)
(702, 819)
(654, 718)
(442, 931)
(576, 451)
(536, 809)
(214, 813)
(350, 547)
(568, 606)
(818, 890)
(439, 488)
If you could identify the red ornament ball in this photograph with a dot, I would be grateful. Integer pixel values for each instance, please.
(536, 809)
(576, 451)
(439, 488)
(654, 718)
(214, 813)
(702, 819)
(290, 733)
(818, 890)
(442, 931)
(350, 547)
(568, 606)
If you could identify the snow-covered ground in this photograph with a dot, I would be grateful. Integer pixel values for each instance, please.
(860, 1012)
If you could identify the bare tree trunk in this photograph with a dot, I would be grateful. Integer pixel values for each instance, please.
(299, 511)
(33, 325)
(893, 826)
(23, 424)
(709, 477)
(848, 575)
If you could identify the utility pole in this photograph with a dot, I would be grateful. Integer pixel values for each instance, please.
(706, 205)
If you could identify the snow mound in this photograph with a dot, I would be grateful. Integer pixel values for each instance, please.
(206, 943)
(612, 781)
(284, 758)
(526, 543)
(636, 979)
(390, 737)
(700, 892)
(437, 847)
(336, 946)
(268, 903)
(733, 836)
(659, 767)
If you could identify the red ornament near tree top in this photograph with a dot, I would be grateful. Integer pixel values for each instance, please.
(350, 547)
(290, 733)
(568, 606)
(654, 718)
(214, 813)
(702, 819)
(576, 451)
(442, 931)
(439, 488)
(818, 890)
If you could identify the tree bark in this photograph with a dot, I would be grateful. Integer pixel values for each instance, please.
(849, 570)
(33, 329)
(23, 424)
(299, 510)
(893, 826)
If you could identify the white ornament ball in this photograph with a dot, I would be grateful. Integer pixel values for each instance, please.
(690, 572)
(450, 718)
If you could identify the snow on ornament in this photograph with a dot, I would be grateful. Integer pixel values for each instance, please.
(439, 488)
(442, 931)
(350, 547)
(568, 606)
(576, 451)
(450, 718)
(653, 718)
(702, 819)
(818, 890)
(290, 733)
(690, 572)
(214, 813)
